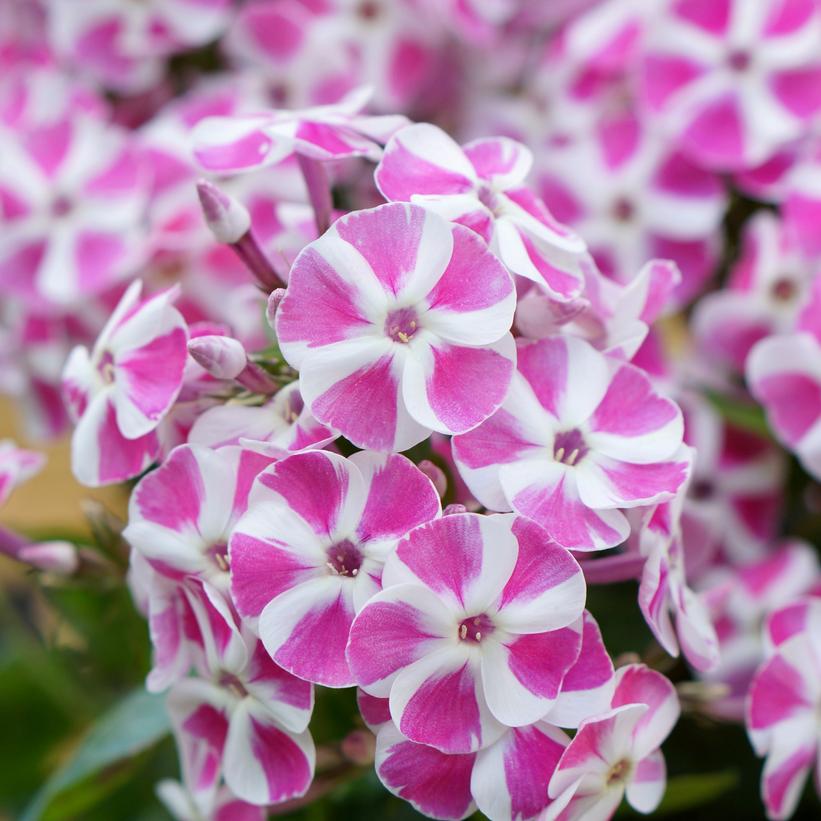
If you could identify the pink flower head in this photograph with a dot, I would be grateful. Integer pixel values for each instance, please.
(618, 752)
(579, 436)
(784, 375)
(481, 185)
(784, 711)
(309, 552)
(120, 391)
(279, 427)
(769, 285)
(330, 132)
(678, 616)
(733, 81)
(476, 627)
(16, 466)
(74, 195)
(121, 44)
(801, 199)
(245, 720)
(182, 514)
(395, 310)
(632, 198)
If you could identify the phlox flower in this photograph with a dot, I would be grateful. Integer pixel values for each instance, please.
(309, 552)
(397, 311)
(331, 132)
(16, 466)
(481, 185)
(768, 287)
(120, 391)
(617, 752)
(579, 436)
(801, 198)
(508, 779)
(733, 81)
(477, 625)
(244, 720)
(74, 195)
(122, 44)
(223, 805)
(784, 706)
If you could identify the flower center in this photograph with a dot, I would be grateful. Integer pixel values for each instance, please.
(702, 489)
(344, 558)
(739, 60)
(490, 199)
(569, 447)
(218, 554)
(402, 324)
(619, 772)
(784, 289)
(61, 205)
(106, 367)
(623, 209)
(230, 682)
(474, 628)
(369, 10)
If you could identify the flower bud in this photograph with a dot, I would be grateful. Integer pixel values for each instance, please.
(51, 557)
(228, 220)
(435, 474)
(222, 356)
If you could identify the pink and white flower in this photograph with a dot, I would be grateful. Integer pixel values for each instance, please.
(395, 310)
(120, 391)
(579, 436)
(309, 552)
(477, 625)
(784, 709)
(617, 752)
(74, 195)
(245, 721)
(222, 806)
(733, 81)
(330, 132)
(481, 185)
(16, 466)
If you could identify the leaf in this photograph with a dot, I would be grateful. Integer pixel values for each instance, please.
(684, 792)
(133, 725)
(745, 415)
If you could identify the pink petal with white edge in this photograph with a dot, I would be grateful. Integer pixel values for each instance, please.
(423, 159)
(435, 783)
(637, 684)
(588, 685)
(646, 789)
(374, 711)
(465, 559)
(500, 160)
(546, 590)
(439, 701)
(396, 628)
(784, 776)
(263, 763)
(510, 776)
(452, 389)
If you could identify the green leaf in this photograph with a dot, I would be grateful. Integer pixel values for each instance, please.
(133, 725)
(745, 415)
(685, 792)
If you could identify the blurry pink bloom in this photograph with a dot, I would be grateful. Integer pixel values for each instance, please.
(16, 466)
(618, 752)
(245, 141)
(768, 286)
(309, 552)
(120, 391)
(784, 712)
(578, 436)
(121, 45)
(470, 604)
(223, 805)
(801, 200)
(73, 194)
(481, 185)
(733, 81)
(398, 311)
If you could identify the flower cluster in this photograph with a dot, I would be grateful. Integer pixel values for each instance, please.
(394, 395)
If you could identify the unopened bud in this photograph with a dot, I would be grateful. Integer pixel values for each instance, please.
(227, 218)
(273, 304)
(51, 557)
(359, 747)
(456, 508)
(222, 356)
(436, 475)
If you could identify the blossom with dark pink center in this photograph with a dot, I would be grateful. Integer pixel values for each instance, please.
(120, 391)
(309, 552)
(784, 706)
(481, 185)
(396, 310)
(469, 604)
(733, 81)
(617, 752)
(579, 436)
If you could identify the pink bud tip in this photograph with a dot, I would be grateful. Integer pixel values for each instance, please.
(435, 474)
(51, 557)
(273, 303)
(359, 747)
(228, 220)
(451, 509)
(222, 356)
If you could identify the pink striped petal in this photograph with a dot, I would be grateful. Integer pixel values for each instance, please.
(783, 779)
(499, 160)
(646, 789)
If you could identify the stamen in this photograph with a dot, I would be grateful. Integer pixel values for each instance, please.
(560, 455)
(463, 631)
